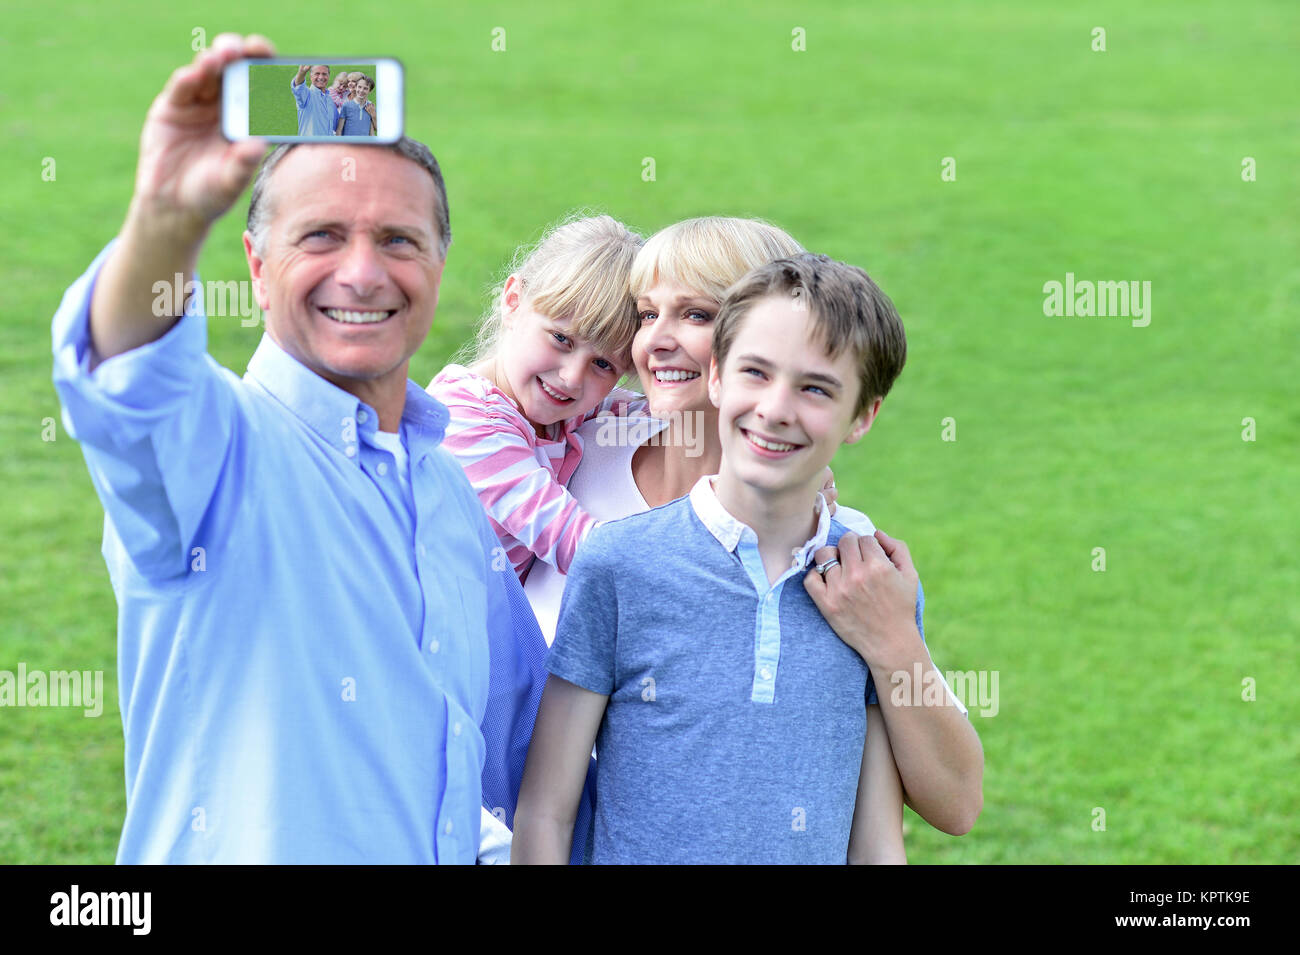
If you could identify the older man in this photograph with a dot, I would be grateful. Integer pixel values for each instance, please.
(316, 111)
(323, 654)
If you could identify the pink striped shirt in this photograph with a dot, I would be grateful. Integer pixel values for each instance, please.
(519, 477)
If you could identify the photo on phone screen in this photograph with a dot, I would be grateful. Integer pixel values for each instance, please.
(321, 99)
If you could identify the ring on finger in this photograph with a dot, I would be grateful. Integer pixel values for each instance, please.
(823, 567)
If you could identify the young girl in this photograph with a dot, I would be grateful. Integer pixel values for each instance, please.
(338, 93)
(551, 349)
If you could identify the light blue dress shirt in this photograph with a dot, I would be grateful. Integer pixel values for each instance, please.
(317, 114)
(303, 647)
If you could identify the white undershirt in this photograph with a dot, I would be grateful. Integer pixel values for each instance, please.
(604, 488)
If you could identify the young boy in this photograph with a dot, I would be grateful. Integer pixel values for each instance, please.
(356, 117)
(731, 723)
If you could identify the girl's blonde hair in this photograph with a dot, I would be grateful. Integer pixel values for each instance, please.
(578, 272)
(708, 254)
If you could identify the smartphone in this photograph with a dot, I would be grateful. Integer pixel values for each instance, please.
(354, 99)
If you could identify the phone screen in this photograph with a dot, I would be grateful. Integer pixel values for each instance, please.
(302, 100)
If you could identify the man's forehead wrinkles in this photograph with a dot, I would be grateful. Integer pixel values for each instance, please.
(295, 209)
(313, 181)
(323, 217)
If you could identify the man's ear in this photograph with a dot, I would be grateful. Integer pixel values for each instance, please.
(862, 424)
(715, 382)
(255, 265)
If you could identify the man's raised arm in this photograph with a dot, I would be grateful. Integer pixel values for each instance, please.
(188, 176)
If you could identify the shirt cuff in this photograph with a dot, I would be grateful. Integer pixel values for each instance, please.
(493, 840)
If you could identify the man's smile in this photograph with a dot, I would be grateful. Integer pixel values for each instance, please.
(356, 317)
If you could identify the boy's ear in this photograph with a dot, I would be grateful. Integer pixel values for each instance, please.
(255, 265)
(715, 383)
(862, 424)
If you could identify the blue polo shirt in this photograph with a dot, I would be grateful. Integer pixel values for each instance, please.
(736, 719)
(320, 658)
(356, 121)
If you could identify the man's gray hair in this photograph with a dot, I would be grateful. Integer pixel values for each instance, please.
(258, 205)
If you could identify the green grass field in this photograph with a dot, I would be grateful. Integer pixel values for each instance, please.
(1170, 157)
(271, 109)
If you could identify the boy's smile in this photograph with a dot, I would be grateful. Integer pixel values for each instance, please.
(784, 405)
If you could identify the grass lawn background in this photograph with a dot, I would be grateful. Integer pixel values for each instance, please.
(1119, 690)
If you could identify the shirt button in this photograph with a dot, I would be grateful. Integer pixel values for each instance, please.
(350, 450)
(422, 550)
(433, 646)
(447, 827)
(765, 673)
(455, 728)
(382, 468)
(362, 416)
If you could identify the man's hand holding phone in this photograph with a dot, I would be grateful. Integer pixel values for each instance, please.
(188, 170)
(188, 176)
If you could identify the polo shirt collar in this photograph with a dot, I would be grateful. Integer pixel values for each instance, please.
(728, 530)
(338, 417)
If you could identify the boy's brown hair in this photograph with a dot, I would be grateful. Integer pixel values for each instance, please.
(848, 311)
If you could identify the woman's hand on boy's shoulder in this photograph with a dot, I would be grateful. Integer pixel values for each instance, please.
(868, 595)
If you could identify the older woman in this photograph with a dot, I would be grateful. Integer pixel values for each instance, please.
(633, 464)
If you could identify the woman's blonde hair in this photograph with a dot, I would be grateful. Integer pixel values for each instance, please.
(708, 254)
(577, 271)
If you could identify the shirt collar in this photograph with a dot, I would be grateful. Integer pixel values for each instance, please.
(728, 530)
(338, 417)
